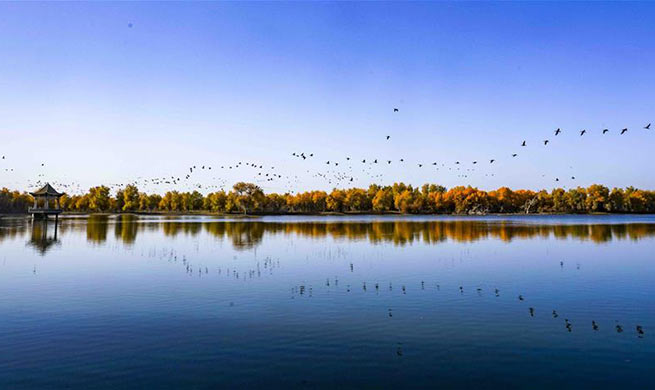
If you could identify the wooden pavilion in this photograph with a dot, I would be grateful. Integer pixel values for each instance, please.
(42, 199)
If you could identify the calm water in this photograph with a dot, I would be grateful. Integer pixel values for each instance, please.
(127, 302)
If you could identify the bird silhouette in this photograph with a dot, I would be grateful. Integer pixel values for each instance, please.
(647, 127)
(546, 142)
(491, 161)
(388, 136)
(395, 110)
(567, 324)
(557, 131)
(624, 130)
(582, 132)
(605, 130)
(514, 155)
(523, 144)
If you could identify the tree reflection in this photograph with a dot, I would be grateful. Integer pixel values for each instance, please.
(96, 228)
(244, 235)
(248, 234)
(125, 228)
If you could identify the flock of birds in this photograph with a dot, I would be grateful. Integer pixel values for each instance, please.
(301, 290)
(265, 266)
(338, 177)
(307, 291)
(336, 171)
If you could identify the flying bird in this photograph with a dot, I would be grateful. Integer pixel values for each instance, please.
(546, 142)
(514, 155)
(523, 144)
(582, 132)
(605, 130)
(624, 130)
(491, 161)
(557, 131)
(388, 136)
(647, 127)
(395, 110)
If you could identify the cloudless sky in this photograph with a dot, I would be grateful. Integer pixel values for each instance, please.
(110, 92)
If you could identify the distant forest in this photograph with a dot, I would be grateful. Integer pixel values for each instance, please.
(247, 198)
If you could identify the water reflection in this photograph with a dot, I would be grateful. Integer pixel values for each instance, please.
(248, 234)
(43, 235)
(164, 292)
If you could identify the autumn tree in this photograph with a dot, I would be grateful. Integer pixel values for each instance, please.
(248, 196)
(597, 198)
(383, 200)
(335, 201)
(99, 199)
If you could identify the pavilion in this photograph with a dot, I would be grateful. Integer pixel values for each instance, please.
(42, 200)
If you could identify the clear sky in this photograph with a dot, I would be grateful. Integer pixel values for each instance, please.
(111, 92)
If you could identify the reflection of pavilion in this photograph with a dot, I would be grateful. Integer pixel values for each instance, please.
(40, 239)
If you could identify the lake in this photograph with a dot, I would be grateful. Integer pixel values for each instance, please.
(325, 302)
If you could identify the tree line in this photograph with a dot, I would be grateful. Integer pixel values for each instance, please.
(248, 198)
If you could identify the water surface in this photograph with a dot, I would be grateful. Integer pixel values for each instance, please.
(311, 302)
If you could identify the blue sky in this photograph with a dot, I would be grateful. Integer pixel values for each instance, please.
(212, 84)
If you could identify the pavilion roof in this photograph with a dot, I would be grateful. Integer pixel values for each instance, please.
(46, 190)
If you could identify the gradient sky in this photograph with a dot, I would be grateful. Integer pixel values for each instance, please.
(100, 102)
